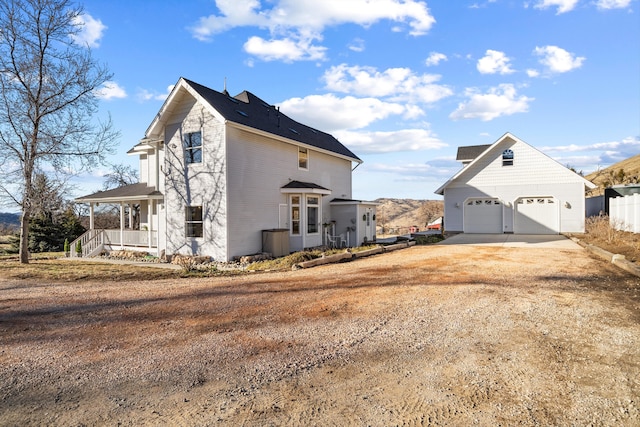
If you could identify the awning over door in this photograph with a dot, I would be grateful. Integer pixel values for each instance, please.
(304, 187)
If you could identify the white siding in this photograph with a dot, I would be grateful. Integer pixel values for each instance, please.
(532, 174)
(196, 184)
(258, 167)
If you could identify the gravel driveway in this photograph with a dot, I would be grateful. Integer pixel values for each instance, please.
(430, 335)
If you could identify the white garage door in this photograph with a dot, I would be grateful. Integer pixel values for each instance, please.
(482, 215)
(536, 215)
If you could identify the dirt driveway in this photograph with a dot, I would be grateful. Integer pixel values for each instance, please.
(437, 335)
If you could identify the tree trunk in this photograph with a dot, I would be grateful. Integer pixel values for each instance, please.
(24, 236)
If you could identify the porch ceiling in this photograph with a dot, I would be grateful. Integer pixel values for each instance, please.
(139, 191)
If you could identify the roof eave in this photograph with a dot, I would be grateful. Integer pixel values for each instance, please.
(115, 199)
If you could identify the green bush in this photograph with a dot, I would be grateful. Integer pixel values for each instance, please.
(428, 240)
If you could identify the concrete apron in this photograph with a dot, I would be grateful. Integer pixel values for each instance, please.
(533, 241)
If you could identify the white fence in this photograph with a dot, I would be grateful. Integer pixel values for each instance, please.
(624, 213)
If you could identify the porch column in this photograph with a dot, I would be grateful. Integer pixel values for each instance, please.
(91, 212)
(130, 216)
(122, 225)
(150, 216)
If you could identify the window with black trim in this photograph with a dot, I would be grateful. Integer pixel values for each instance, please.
(303, 158)
(192, 143)
(507, 158)
(193, 221)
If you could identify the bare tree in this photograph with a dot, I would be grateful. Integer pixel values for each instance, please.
(120, 175)
(431, 210)
(48, 100)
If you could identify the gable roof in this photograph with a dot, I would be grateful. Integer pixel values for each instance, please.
(488, 148)
(248, 110)
(467, 154)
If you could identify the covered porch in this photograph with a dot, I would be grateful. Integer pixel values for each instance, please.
(141, 235)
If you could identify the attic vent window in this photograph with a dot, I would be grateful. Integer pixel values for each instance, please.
(242, 113)
(235, 101)
(507, 158)
(294, 131)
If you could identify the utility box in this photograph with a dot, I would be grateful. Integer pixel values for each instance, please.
(276, 241)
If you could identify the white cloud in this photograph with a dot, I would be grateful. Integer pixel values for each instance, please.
(357, 45)
(558, 60)
(111, 90)
(597, 155)
(562, 5)
(435, 58)
(499, 101)
(628, 147)
(146, 95)
(390, 142)
(90, 30)
(331, 114)
(613, 4)
(399, 84)
(303, 21)
(533, 73)
(494, 62)
(286, 50)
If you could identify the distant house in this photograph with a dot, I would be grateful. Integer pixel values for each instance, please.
(435, 224)
(220, 173)
(511, 187)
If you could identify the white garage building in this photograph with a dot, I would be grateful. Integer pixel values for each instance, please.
(511, 187)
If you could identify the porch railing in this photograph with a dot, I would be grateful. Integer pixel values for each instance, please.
(93, 242)
(135, 238)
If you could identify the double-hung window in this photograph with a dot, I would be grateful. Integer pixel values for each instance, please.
(193, 221)
(192, 143)
(303, 158)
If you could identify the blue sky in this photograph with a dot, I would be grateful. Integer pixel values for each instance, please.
(402, 83)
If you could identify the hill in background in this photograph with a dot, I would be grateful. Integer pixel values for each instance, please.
(624, 172)
(9, 219)
(395, 216)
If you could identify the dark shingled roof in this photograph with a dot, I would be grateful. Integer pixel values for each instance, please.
(471, 152)
(299, 184)
(249, 110)
(139, 190)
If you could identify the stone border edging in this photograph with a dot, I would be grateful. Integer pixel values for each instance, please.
(616, 259)
(348, 256)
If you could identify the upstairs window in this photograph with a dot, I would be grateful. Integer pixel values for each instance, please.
(507, 158)
(192, 147)
(303, 158)
(193, 221)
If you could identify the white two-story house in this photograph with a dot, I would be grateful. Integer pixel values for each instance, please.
(218, 173)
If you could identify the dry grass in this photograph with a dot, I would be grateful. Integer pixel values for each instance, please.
(287, 262)
(599, 232)
(57, 269)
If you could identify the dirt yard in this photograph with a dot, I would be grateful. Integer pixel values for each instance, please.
(437, 335)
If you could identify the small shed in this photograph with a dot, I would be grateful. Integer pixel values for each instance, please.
(355, 220)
